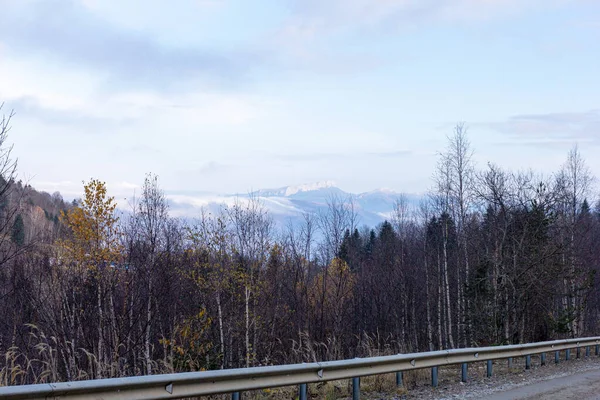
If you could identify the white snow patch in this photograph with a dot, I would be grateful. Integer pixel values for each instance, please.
(308, 187)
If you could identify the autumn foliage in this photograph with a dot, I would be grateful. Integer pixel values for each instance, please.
(93, 240)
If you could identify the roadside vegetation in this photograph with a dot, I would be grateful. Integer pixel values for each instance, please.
(490, 256)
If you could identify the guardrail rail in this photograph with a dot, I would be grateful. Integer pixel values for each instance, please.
(191, 384)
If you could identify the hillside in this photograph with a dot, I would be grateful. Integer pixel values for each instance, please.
(39, 212)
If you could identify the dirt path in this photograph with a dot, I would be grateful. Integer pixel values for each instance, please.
(580, 386)
(577, 379)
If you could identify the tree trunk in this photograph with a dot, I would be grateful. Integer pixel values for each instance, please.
(439, 306)
(147, 358)
(428, 307)
(247, 304)
(221, 334)
(447, 287)
(100, 359)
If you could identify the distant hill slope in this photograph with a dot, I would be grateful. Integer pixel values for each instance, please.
(39, 211)
(290, 202)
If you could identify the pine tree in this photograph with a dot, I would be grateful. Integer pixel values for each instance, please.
(18, 231)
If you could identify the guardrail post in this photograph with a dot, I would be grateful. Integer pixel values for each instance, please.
(587, 351)
(509, 362)
(543, 359)
(598, 349)
(236, 396)
(303, 395)
(489, 368)
(567, 354)
(578, 352)
(434, 376)
(399, 379)
(527, 362)
(557, 357)
(355, 388)
(464, 372)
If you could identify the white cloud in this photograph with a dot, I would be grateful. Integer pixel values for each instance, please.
(128, 185)
(551, 129)
(70, 33)
(195, 109)
(313, 18)
(58, 95)
(52, 85)
(49, 184)
(68, 189)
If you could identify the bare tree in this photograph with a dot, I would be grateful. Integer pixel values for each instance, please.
(252, 230)
(212, 235)
(444, 204)
(492, 191)
(339, 216)
(425, 216)
(300, 240)
(459, 155)
(574, 182)
(10, 199)
(152, 217)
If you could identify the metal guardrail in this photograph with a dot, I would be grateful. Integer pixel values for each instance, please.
(174, 386)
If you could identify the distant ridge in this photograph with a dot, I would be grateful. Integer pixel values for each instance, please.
(287, 191)
(289, 203)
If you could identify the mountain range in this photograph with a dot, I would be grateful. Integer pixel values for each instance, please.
(289, 203)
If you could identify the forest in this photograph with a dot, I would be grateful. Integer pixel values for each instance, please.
(490, 256)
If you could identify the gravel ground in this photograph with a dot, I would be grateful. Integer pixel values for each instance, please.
(479, 386)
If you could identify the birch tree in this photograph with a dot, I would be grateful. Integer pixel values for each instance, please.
(574, 182)
(459, 154)
(443, 201)
(94, 244)
(251, 229)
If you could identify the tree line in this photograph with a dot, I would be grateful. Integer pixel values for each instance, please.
(489, 257)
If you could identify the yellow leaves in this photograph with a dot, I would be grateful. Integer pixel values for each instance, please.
(94, 239)
(171, 343)
(189, 341)
(333, 286)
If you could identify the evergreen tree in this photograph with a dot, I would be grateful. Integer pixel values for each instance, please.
(345, 247)
(18, 231)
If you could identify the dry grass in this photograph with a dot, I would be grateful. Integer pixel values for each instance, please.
(44, 362)
(340, 389)
(48, 360)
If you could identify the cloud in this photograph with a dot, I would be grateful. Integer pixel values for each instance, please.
(312, 18)
(340, 156)
(141, 148)
(127, 114)
(392, 154)
(68, 189)
(209, 170)
(197, 109)
(316, 33)
(89, 122)
(127, 185)
(51, 184)
(212, 167)
(552, 129)
(68, 31)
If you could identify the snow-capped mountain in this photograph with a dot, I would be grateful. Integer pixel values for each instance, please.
(292, 190)
(290, 202)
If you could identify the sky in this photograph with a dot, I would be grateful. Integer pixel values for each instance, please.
(229, 96)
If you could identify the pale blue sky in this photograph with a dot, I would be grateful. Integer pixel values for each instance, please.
(227, 96)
